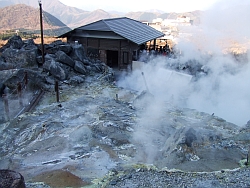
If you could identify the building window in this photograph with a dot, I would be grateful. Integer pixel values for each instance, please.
(125, 58)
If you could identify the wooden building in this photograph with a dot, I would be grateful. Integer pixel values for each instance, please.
(115, 41)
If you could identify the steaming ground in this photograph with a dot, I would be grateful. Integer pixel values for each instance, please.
(220, 85)
(216, 54)
(138, 140)
(91, 135)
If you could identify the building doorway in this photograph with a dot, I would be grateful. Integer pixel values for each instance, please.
(112, 58)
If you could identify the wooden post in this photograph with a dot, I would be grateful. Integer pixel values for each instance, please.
(25, 78)
(116, 96)
(248, 156)
(57, 91)
(41, 27)
(6, 107)
(154, 44)
(19, 92)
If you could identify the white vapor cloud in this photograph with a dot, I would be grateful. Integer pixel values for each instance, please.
(225, 89)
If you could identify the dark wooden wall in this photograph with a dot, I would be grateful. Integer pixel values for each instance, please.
(122, 46)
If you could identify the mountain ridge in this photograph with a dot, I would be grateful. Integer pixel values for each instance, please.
(74, 17)
(25, 17)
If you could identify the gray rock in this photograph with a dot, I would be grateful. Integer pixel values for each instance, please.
(190, 137)
(20, 58)
(11, 179)
(5, 74)
(64, 58)
(10, 55)
(55, 46)
(14, 42)
(66, 48)
(56, 69)
(47, 57)
(6, 66)
(87, 62)
(79, 67)
(60, 58)
(29, 45)
(96, 68)
(78, 53)
(75, 80)
(1, 58)
(49, 48)
(57, 42)
(35, 79)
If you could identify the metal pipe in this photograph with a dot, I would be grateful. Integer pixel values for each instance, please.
(145, 81)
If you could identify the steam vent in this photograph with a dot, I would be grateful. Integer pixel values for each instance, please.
(108, 109)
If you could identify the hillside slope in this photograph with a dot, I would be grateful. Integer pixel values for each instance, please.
(21, 16)
(71, 16)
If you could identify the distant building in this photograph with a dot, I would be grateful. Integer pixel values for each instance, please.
(172, 28)
(115, 41)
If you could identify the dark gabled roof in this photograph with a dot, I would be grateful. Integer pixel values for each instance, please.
(127, 28)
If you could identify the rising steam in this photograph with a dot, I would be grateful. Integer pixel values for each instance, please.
(221, 84)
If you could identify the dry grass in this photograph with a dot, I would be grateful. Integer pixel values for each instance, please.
(2, 42)
(47, 40)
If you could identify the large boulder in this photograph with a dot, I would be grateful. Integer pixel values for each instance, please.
(21, 58)
(11, 179)
(35, 79)
(48, 48)
(78, 53)
(14, 42)
(64, 58)
(6, 66)
(6, 74)
(29, 45)
(87, 62)
(57, 43)
(66, 48)
(10, 55)
(97, 68)
(47, 57)
(79, 67)
(55, 46)
(56, 69)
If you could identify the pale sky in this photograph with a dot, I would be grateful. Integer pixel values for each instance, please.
(141, 5)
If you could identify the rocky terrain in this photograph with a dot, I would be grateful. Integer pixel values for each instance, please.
(102, 135)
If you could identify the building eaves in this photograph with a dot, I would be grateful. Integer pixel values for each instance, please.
(127, 28)
(133, 30)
